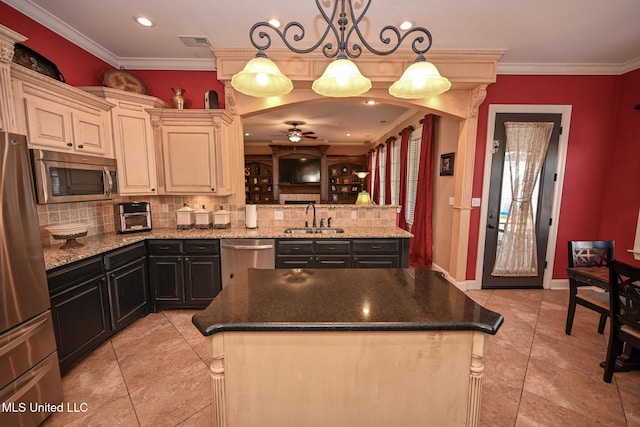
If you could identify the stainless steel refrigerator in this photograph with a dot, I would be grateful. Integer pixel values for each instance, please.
(29, 374)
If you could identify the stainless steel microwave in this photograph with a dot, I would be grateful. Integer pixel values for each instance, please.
(65, 177)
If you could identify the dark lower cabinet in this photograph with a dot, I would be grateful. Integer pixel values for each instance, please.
(202, 279)
(338, 253)
(80, 310)
(94, 298)
(184, 273)
(167, 285)
(128, 293)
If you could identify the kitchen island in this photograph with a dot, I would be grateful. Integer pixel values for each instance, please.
(345, 347)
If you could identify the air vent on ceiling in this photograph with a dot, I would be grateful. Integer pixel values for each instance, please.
(195, 41)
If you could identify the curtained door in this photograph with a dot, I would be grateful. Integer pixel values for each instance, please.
(499, 202)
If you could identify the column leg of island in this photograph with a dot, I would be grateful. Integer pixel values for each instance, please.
(216, 350)
(478, 350)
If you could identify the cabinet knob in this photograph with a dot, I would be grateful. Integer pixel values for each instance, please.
(213, 189)
(153, 189)
(80, 146)
(69, 144)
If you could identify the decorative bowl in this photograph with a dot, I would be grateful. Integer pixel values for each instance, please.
(68, 232)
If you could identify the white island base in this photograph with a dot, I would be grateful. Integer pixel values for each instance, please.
(347, 378)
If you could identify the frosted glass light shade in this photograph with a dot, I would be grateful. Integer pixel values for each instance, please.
(361, 174)
(294, 138)
(261, 77)
(364, 199)
(420, 80)
(342, 78)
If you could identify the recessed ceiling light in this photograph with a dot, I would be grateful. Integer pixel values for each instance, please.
(370, 102)
(143, 20)
(406, 25)
(348, 134)
(274, 22)
(247, 134)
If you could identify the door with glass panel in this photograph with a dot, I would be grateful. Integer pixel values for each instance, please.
(523, 171)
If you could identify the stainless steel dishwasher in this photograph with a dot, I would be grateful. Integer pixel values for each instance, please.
(240, 254)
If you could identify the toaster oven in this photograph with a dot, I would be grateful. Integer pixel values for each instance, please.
(130, 217)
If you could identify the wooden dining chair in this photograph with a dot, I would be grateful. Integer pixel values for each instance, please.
(588, 254)
(624, 282)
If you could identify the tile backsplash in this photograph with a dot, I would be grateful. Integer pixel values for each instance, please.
(101, 219)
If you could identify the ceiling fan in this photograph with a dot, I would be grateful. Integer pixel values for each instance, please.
(295, 135)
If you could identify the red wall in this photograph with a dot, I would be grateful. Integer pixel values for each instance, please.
(600, 153)
(621, 199)
(81, 68)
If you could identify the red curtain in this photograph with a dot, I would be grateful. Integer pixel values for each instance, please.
(387, 172)
(376, 182)
(421, 246)
(367, 180)
(402, 195)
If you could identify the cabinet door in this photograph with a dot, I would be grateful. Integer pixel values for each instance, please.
(89, 133)
(202, 280)
(135, 152)
(294, 261)
(333, 261)
(49, 125)
(376, 261)
(128, 294)
(167, 284)
(80, 320)
(189, 154)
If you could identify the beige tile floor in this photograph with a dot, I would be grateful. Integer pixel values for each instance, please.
(154, 373)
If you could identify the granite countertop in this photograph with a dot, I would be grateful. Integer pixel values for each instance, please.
(95, 245)
(343, 299)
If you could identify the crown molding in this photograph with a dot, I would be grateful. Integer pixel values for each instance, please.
(568, 69)
(35, 12)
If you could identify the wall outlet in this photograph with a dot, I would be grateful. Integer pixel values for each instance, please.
(475, 202)
(278, 215)
(452, 200)
(354, 214)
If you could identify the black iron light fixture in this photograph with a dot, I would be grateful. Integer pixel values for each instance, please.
(261, 77)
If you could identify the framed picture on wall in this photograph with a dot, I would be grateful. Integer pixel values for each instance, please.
(446, 164)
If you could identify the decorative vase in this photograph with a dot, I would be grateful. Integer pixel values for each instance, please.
(177, 100)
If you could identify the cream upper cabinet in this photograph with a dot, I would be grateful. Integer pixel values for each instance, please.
(133, 139)
(59, 117)
(199, 151)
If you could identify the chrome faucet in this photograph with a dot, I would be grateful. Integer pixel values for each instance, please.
(314, 213)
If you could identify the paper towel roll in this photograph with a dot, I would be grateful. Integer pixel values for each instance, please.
(251, 217)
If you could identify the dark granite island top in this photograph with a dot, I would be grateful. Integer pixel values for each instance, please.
(343, 299)
(334, 347)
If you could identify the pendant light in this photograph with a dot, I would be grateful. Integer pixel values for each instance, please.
(261, 77)
(421, 79)
(342, 78)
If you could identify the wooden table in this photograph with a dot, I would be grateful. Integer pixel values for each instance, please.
(594, 276)
(599, 276)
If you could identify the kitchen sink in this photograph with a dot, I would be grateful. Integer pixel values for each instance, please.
(317, 230)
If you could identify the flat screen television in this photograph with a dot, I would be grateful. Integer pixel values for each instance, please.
(304, 170)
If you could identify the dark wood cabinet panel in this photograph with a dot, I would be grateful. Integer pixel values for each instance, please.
(332, 261)
(376, 261)
(128, 293)
(190, 278)
(80, 319)
(202, 280)
(342, 253)
(167, 284)
(294, 261)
